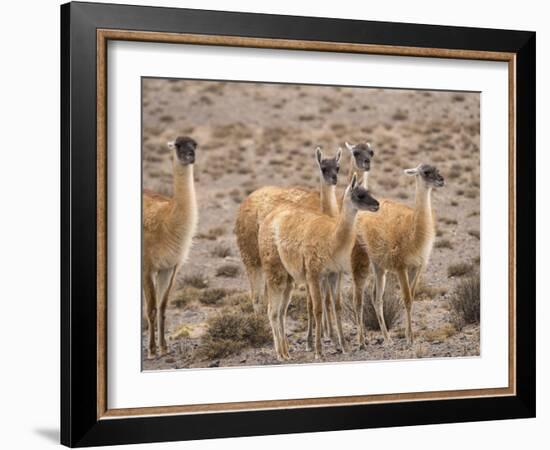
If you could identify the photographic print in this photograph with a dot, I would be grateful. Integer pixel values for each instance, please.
(291, 224)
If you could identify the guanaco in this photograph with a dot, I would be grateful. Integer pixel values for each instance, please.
(261, 202)
(361, 156)
(397, 239)
(169, 224)
(304, 246)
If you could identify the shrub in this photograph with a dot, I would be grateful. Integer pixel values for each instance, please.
(443, 243)
(183, 297)
(458, 98)
(212, 296)
(424, 291)
(221, 250)
(228, 270)
(240, 301)
(392, 307)
(232, 332)
(212, 234)
(474, 233)
(400, 115)
(465, 302)
(441, 333)
(197, 279)
(459, 270)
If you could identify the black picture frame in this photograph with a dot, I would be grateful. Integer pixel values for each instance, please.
(80, 425)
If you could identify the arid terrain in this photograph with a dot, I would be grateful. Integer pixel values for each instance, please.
(253, 134)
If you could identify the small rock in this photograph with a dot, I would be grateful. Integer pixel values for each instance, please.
(214, 364)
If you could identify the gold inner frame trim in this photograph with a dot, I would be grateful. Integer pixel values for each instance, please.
(103, 36)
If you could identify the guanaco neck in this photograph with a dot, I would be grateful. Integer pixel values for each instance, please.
(329, 205)
(423, 219)
(184, 202)
(362, 175)
(345, 226)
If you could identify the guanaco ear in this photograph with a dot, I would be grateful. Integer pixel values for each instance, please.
(349, 146)
(353, 180)
(338, 155)
(171, 144)
(318, 155)
(411, 172)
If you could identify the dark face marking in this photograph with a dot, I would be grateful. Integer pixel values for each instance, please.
(185, 149)
(329, 169)
(362, 199)
(362, 155)
(431, 175)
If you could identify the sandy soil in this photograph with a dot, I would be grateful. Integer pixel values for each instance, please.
(251, 135)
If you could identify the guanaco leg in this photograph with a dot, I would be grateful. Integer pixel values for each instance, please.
(257, 288)
(378, 301)
(315, 291)
(151, 311)
(334, 282)
(165, 283)
(407, 300)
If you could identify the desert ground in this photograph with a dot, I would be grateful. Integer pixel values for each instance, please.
(253, 134)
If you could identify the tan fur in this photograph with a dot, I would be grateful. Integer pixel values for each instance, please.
(168, 228)
(398, 239)
(252, 212)
(362, 175)
(302, 246)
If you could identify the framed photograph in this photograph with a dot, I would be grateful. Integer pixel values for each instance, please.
(276, 224)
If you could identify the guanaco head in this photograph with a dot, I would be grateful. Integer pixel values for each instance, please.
(359, 197)
(329, 167)
(361, 155)
(184, 147)
(428, 174)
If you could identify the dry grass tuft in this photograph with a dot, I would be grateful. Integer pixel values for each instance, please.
(221, 250)
(441, 333)
(231, 332)
(400, 115)
(465, 302)
(228, 270)
(459, 269)
(443, 243)
(471, 193)
(166, 118)
(182, 297)
(474, 233)
(213, 296)
(426, 292)
(196, 279)
(392, 307)
(240, 301)
(458, 98)
(212, 234)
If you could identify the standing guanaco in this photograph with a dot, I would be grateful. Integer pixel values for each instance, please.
(305, 246)
(169, 224)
